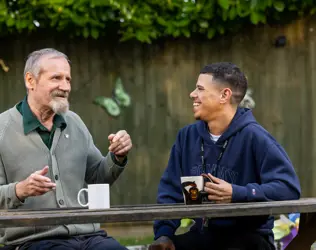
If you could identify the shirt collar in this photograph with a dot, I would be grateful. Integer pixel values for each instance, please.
(30, 121)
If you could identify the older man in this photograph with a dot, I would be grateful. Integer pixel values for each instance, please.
(47, 155)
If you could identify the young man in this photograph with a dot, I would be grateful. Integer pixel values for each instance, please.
(245, 163)
(47, 155)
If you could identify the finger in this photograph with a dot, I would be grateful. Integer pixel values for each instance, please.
(115, 145)
(215, 198)
(43, 171)
(124, 151)
(40, 184)
(40, 178)
(41, 191)
(125, 145)
(120, 144)
(213, 186)
(223, 201)
(110, 137)
(212, 191)
(214, 179)
(219, 199)
(120, 134)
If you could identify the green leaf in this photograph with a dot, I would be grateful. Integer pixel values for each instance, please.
(253, 4)
(279, 6)
(221, 29)
(224, 4)
(203, 24)
(312, 11)
(10, 21)
(186, 33)
(255, 17)
(176, 33)
(292, 7)
(95, 33)
(225, 15)
(161, 21)
(85, 32)
(232, 13)
(141, 36)
(182, 23)
(242, 10)
(145, 20)
(211, 33)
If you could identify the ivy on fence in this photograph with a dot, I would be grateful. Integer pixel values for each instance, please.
(145, 20)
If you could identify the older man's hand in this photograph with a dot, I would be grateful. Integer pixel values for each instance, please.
(36, 184)
(120, 144)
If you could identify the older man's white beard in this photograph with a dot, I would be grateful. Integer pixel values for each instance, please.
(59, 107)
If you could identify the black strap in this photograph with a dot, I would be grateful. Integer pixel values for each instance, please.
(224, 146)
(202, 156)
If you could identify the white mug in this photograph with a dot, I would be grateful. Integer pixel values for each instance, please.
(192, 186)
(98, 196)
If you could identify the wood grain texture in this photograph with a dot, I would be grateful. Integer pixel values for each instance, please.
(14, 218)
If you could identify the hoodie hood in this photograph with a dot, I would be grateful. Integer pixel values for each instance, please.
(242, 118)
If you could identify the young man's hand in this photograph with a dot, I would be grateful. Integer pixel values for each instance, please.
(219, 191)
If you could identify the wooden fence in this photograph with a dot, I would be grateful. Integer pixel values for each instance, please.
(159, 78)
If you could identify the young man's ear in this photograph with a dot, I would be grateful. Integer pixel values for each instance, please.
(226, 95)
(29, 81)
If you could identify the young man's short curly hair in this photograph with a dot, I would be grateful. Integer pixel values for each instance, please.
(229, 75)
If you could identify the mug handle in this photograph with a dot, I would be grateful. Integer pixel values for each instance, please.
(78, 197)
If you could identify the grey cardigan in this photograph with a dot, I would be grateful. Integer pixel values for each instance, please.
(73, 162)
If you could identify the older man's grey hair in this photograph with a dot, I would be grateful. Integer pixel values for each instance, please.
(32, 64)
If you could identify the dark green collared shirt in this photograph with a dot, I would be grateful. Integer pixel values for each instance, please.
(31, 123)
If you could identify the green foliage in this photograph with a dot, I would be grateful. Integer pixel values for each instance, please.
(145, 20)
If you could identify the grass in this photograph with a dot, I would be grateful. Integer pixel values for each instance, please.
(133, 241)
(148, 239)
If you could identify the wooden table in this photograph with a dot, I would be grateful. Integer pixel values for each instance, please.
(305, 238)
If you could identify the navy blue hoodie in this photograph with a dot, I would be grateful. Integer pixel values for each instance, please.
(253, 162)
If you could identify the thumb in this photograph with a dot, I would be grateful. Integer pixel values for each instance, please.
(214, 179)
(44, 171)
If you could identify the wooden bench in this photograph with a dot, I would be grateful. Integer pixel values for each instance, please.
(303, 241)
